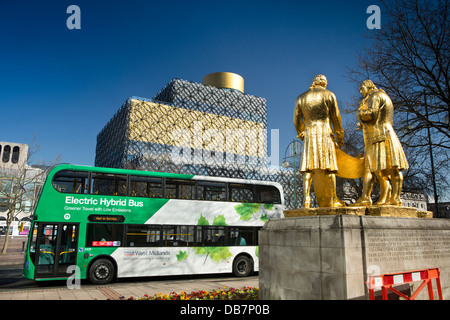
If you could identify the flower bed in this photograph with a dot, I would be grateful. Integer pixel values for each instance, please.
(245, 293)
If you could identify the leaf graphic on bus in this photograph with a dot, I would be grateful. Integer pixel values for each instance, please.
(220, 253)
(246, 210)
(202, 221)
(216, 253)
(201, 250)
(219, 221)
(182, 255)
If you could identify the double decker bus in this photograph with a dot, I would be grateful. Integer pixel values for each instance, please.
(114, 223)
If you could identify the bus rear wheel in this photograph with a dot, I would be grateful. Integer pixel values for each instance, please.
(101, 272)
(242, 266)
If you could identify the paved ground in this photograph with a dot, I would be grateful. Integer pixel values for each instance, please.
(14, 287)
(136, 289)
(14, 254)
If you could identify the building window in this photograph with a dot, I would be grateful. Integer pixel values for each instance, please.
(15, 154)
(4, 204)
(6, 153)
(27, 205)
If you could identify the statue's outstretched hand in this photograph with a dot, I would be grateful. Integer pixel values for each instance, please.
(301, 135)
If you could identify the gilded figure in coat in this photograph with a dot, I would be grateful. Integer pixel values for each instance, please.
(384, 158)
(319, 125)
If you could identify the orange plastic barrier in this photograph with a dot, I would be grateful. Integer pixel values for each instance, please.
(386, 281)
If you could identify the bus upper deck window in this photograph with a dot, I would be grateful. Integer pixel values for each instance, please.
(213, 191)
(268, 194)
(179, 189)
(68, 181)
(241, 192)
(109, 184)
(147, 187)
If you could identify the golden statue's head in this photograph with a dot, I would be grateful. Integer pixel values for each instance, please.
(366, 87)
(319, 80)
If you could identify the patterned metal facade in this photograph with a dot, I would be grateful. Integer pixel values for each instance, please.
(193, 128)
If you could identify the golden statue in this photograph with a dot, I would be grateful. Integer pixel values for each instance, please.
(315, 111)
(384, 158)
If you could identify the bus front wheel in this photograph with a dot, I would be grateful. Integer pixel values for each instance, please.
(101, 272)
(242, 266)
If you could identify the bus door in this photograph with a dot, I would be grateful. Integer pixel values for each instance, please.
(56, 249)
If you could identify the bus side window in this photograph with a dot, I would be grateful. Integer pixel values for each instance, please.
(242, 236)
(268, 194)
(187, 190)
(213, 236)
(180, 189)
(109, 184)
(241, 192)
(68, 181)
(213, 191)
(170, 189)
(143, 236)
(186, 236)
(101, 235)
(146, 187)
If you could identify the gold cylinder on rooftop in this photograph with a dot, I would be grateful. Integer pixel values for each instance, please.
(224, 80)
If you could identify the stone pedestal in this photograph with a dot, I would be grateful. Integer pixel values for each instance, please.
(331, 256)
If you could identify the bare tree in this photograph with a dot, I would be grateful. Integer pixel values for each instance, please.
(409, 57)
(18, 184)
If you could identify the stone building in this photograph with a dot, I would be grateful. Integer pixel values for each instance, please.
(19, 182)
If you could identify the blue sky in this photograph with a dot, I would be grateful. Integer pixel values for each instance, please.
(64, 85)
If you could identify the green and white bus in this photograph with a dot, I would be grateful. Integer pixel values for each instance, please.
(114, 223)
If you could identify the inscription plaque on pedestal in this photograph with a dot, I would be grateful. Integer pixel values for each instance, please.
(400, 247)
